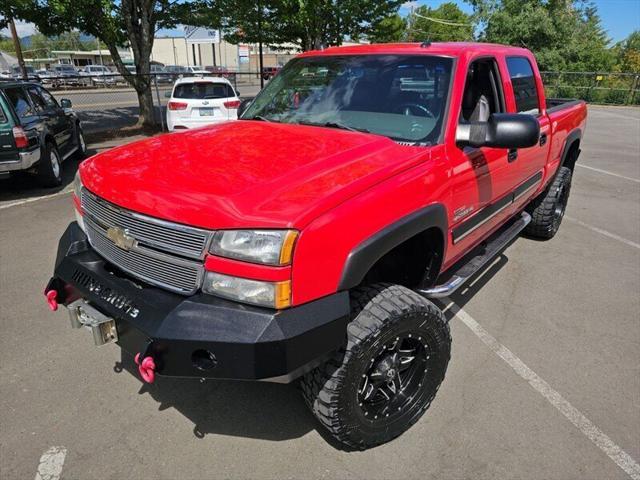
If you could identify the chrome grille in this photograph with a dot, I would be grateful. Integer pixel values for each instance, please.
(165, 254)
(175, 274)
(165, 236)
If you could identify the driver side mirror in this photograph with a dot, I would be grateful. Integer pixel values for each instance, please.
(502, 130)
(244, 104)
(65, 103)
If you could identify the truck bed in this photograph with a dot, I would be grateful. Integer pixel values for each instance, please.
(555, 104)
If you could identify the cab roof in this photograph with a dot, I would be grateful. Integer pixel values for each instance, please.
(453, 49)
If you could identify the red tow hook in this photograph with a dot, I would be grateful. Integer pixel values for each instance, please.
(52, 299)
(147, 368)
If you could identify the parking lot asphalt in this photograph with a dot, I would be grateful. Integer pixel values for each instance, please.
(544, 380)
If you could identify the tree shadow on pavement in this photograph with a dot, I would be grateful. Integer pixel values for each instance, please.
(24, 185)
(262, 410)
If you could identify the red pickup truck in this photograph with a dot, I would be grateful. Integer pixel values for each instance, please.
(304, 241)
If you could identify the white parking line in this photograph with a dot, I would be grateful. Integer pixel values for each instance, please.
(607, 173)
(51, 462)
(603, 232)
(35, 199)
(577, 418)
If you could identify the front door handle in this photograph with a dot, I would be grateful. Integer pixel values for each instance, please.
(543, 139)
(513, 154)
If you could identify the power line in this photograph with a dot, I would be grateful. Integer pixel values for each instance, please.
(443, 22)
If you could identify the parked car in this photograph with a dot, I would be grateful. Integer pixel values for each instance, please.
(306, 240)
(16, 73)
(218, 71)
(36, 132)
(269, 72)
(65, 75)
(160, 75)
(196, 101)
(99, 75)
(45, 76)
(196, 70)
(175, 71)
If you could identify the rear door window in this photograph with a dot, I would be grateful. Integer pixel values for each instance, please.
(38, 101)
(20, 102)
(48, 98)
(524, 85)
(203, 90)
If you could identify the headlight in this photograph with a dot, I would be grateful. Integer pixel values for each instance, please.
(266, 294)
(269, 247)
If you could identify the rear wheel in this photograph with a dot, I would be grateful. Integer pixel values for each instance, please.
(398, 349)
(50, 168)
(547, 211)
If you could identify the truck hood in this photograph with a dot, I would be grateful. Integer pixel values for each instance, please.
(245, 174)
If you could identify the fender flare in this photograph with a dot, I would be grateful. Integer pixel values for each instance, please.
(367, 253)
(571, 138)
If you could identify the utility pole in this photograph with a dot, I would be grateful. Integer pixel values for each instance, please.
(16, 44)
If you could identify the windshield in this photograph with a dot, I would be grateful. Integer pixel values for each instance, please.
(400, 96)
(66, 68)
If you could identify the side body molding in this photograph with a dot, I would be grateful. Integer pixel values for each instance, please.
(367, 253)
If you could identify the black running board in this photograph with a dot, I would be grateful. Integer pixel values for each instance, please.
(459, 274)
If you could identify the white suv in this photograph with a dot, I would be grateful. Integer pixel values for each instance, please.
(195, 102)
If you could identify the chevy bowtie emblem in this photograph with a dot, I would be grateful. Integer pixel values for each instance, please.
(121, 238)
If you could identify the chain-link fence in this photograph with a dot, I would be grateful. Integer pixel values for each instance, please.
(594, 87)
(107, 103)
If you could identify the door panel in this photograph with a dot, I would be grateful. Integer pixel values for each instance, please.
(523, 97)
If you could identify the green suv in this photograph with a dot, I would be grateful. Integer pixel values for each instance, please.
(36, 132)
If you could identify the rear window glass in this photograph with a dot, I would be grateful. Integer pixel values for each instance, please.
(524, 85)
(202, 90)
(18, 99)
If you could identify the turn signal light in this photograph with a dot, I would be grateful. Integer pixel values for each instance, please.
(232, 104)
(20, 137)
(177, 106)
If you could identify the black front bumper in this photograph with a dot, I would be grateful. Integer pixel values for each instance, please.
(247, 342)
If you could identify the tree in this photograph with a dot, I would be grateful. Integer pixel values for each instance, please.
(117, 23)
(628, 54)
(309, 24)
(447, 23)
(565, 35)
(41, 45)
(388, 30)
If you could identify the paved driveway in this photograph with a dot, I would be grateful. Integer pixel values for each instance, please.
(544, 380)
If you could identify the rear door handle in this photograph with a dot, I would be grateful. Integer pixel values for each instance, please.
(513, 154)
(543, 139)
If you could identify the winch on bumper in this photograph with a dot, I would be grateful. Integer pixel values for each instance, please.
(198, 336)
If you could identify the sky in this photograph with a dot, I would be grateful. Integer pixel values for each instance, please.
(619, 17)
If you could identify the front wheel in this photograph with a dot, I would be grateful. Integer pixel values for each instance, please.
(381, 383)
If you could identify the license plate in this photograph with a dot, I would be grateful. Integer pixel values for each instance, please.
(207, 112)
(103, 328)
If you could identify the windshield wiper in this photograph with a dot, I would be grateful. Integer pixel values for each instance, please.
(262, 119)
(338, 125)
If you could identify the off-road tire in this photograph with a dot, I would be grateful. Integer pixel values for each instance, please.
(48, 174)
(547, 210)
(380, 314)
